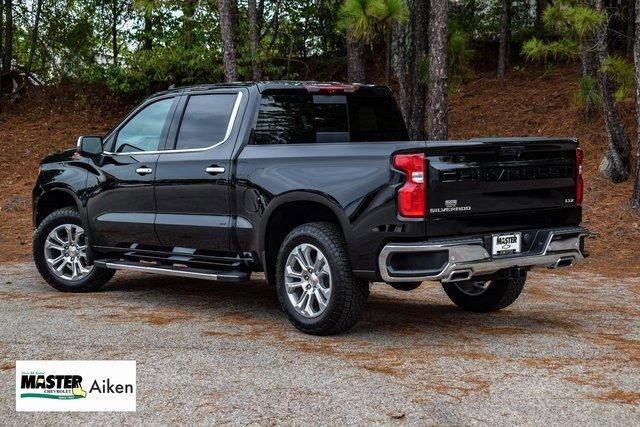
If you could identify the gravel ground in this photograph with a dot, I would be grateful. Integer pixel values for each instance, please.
(568, 352)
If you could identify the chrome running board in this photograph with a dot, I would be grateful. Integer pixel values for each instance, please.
(168, 270)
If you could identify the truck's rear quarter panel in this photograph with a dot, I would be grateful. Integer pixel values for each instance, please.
(355, 179)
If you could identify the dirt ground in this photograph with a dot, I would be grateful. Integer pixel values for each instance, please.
(566, 353)
(524, 103)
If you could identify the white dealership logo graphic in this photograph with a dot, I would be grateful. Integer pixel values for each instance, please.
(450, 206)
(75, 385)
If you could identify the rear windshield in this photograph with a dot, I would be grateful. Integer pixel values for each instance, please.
(298, 117)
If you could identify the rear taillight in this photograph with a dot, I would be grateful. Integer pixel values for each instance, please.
(412, 196)
(579, 180)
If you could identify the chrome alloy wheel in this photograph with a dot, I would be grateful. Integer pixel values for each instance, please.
(307, 280)
(65, 250)
(473, 288)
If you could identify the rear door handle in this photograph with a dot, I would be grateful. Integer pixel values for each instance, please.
(214, 170)
(144, 171)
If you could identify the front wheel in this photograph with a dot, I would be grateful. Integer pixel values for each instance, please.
(485, 295)
(314, 281)
(60, 247)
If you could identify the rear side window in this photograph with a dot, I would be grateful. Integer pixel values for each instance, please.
(285, 118)
(297, 117)
(205, 120)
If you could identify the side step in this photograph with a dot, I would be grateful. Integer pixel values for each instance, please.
(193, 273)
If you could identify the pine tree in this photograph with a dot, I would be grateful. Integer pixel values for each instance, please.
(505, 38)
(438, 105)
(635, 198)
(228, 45)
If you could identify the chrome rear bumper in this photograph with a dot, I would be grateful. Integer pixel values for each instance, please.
(468, 257)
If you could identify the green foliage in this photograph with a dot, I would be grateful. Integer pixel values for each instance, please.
(537, 50)
(574, 27)
(572, 20)
(155, 69)
(587, 96)
(622, 72)
(365, 17)
(460, 55)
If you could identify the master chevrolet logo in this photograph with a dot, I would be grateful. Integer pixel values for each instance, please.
(81, 385)
(52, 386)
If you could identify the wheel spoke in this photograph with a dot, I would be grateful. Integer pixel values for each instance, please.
(306, 253)
(49, 245)
(322, 300)
(309, 306)
(325, 291)
(81, 270)
(320, 263)
(300, 262)
(302, 300)
(54, 261)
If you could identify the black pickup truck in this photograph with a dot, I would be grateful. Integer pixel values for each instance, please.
(316, 185)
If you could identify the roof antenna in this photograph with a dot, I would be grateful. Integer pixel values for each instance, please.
(173, 86)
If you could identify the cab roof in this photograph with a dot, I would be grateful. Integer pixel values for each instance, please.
(273, 85)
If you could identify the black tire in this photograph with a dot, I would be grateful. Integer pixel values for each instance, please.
(348, 296)
(500, 293)
(94, 280)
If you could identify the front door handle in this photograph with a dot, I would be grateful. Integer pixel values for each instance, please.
(144, 171)
(214, 170)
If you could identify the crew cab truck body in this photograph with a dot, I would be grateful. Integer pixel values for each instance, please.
(315, 184)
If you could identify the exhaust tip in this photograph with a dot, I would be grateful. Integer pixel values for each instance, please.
(460, 275)
(564, 262)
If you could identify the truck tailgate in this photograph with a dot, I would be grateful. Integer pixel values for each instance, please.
(501, 184)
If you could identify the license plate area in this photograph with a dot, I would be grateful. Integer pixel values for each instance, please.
(506, 244)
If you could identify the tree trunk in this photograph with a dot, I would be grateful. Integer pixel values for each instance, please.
(254, 40)
(228, 46)
(538, 22)
(34, 38)
(188, 11)
(402, 49)
(1, 40)
(635, 198)
(387, 63)
(1, 49)
(616, 162)
(505, 38)
(631, 26)
(438, 106)
(147, 36)
(420, 19)
(114, 31)
(7, 53)
(355, 59)
(408, 47)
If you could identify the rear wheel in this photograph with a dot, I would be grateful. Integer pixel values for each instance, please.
(60, 252)
(314, 281)
(486, 295)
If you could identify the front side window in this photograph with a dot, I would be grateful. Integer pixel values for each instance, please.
(143, 131)
(205, 120)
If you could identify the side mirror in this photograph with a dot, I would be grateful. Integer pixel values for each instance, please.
(90, 144)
